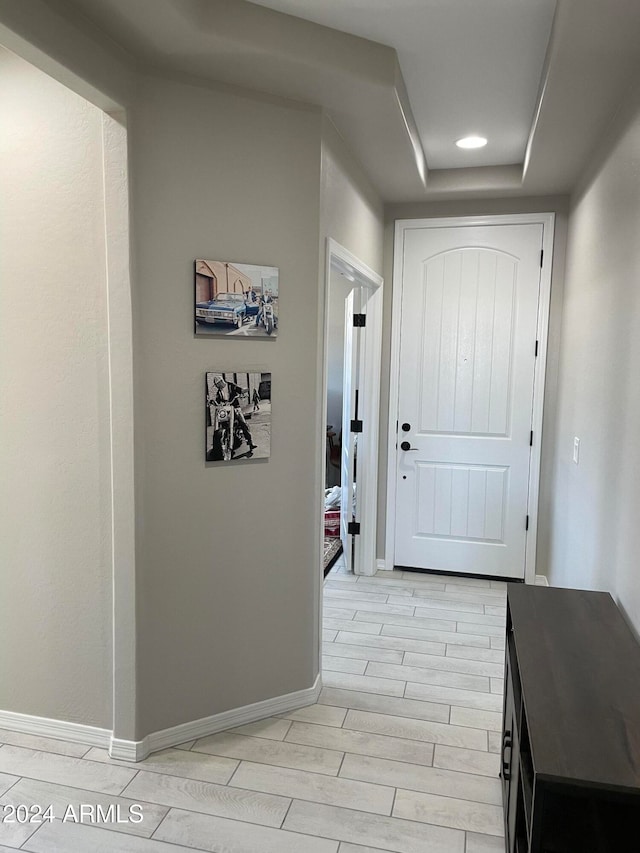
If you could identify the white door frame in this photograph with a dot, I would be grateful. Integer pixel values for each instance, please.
(547, 220)
(342, 259)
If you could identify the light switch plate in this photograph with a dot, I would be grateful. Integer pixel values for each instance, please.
(576, 450)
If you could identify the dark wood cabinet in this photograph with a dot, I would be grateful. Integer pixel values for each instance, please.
(571, 730)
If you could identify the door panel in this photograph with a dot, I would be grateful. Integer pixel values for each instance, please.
(467, 355)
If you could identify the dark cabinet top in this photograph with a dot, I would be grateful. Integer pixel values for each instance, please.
(579, 668)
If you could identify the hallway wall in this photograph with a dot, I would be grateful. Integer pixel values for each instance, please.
(594, 531)
(226, 574)
(55, 508)
(226, 587)
(351, 213)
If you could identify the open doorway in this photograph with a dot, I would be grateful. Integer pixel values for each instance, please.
(353, 319)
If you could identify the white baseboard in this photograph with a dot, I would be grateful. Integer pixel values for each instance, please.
(137, 750)
(541, 580)
(60, 729)
(129, 750)
(381, 566)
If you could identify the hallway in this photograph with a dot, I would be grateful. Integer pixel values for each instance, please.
(400, 754)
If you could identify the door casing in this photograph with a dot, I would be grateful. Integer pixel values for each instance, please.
(340, 258)
(547, 220)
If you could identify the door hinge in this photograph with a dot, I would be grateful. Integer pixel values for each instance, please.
(359, 320)
(536, 354)
(353, 528)
(356, 426)
(526, 524)
(531, 439)
(541, 256)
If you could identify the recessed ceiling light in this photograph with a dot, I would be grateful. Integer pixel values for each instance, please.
(471, 142)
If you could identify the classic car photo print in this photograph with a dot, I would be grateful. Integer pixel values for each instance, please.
(236, 299)
(238, 416)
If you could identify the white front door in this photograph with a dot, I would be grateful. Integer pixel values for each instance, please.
(467, 358)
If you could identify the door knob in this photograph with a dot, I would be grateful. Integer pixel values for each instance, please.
(405, 445)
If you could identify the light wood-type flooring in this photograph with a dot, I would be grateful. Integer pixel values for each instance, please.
(400, 754)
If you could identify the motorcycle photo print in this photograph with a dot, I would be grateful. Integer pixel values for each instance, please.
(238, 416)
(235, 300)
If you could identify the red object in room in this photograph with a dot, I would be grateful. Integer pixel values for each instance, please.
(332, 522)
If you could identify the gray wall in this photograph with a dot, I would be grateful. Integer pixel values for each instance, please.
(55, 507)
(594, 532)
(226, 574)
(351, 211)
(555, 204)
(225, 571)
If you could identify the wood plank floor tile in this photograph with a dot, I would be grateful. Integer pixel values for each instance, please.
(480, 628)
(44, 744)
(13, 835)
(428, 780)
(489, 720)
(355, 595)
(407, 621)
(60, 837)
(422, 599)
(322, 715)
(495, 741)
(456, 598)
(364, 683)
(453, 696)
(466, 760)
(262, 751)
(330, 612)
(402, 644)
(6, 780)
(454, 664)
(342, 664)
(400, 836)
(484, 843)
(483, 596)
(390, 630)
(369, 653)
(448, 811)
(363, 743)
(63, 770)
(272, 728)
(475, 653)
(461, 616)
(219, 835)
(357, 627)
(423, 675)
(314, 787)
(420, 730)
(32, 792)
(176, 762)
(436, 712)
(205, 797)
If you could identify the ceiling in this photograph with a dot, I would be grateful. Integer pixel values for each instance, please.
(403, 79)
(469, 66)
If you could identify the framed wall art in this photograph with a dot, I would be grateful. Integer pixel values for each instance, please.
(235, 300)
(238, 416)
